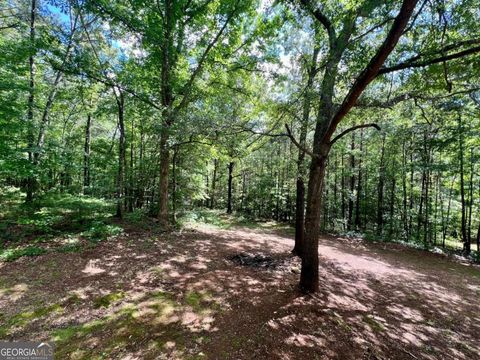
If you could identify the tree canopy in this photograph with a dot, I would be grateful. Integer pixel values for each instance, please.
(356, 117)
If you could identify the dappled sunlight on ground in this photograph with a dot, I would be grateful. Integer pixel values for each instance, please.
(179, 295)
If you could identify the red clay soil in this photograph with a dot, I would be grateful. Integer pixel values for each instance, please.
(186, 296)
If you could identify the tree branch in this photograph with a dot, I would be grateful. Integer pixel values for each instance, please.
(321, 18)
(191, 140)
(373, 28)
(187, 89)
(415, 63)
(371, 70)
(297, 144)
(353, 128)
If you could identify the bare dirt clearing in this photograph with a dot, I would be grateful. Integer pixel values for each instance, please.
(183, 295)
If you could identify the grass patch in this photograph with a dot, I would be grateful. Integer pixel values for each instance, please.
(69, 248)
(107, 300)
(14, 254)
(217, 218)
(22, 319)
(99, 231)
(374, 324)
(50, 215)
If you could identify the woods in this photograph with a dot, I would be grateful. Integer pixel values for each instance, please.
(353, 119)
(209, 94)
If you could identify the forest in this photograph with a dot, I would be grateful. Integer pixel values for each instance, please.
(241, 179)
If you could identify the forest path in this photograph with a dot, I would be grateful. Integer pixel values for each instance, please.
(231, 294)
(376, 301)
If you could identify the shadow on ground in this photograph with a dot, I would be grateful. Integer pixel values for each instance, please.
(180, 296)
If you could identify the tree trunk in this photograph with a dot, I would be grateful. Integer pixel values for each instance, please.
(426, 219)
(420, 208)
(447, 220)
(214, 182)
(470, 197)
(140, 176)
(30, 181)
(392, 206)
(300, 188)
(435, 209)
(352, 182)
(465, 239)
(299, 217)
(174, 184)
(478, 236)
(86, 155)
(343, 186)
(121, 156)
(309, 271)
(404, 189)
(244, 191)
(163, 188)
(230, 184)
(411, 200)
(381, 180)
(52, 94)
(358, 222)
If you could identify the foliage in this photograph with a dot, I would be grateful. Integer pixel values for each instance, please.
(211, 89)
(14, 254)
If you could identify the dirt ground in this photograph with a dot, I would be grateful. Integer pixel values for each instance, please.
(210, 293)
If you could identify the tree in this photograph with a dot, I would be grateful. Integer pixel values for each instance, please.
(329, 116)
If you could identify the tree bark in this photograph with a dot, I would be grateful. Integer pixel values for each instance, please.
(465, 239)
(404, 189)
(447, 219)
(130, 188)
(300, 186)
(230, 187)
(381, 185)
(470, 197)
(352, 182)
(174, 184)
(86, 155)
(214, 183)
(30, 181)
(309, 279)
(121, 156)
(392, 206)
(163, 187)
(358, 222)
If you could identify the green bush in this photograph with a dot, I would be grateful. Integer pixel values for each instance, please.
(100, 231)
(70, 248)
